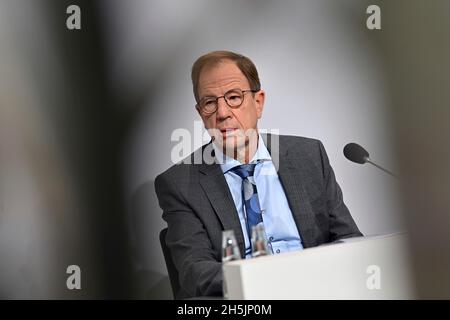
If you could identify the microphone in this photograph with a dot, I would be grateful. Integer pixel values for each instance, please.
(355, 153)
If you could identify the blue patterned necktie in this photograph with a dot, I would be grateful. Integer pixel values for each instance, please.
(249, 195)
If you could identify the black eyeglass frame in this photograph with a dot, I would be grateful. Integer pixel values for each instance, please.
(226, 101)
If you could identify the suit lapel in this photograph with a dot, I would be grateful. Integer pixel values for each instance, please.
(291, 178)
(216, 188)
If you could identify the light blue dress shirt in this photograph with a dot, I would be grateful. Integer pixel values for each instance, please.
(281, 230)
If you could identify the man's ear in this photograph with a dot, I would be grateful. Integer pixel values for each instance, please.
(198, 110)
(260, 97)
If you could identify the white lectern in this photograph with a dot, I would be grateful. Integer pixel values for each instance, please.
(374, 267)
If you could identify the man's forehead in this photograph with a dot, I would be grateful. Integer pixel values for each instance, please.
(221, 76)
(223, 83)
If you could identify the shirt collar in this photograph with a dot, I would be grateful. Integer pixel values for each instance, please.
(227, 163)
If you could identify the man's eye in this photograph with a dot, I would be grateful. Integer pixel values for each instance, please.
(233, 97)
(209, 102)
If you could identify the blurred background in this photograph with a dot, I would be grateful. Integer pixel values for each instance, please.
(87, 116)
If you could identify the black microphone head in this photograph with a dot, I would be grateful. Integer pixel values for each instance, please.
(354, 152)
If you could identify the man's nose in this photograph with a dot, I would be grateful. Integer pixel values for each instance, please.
(223, 110)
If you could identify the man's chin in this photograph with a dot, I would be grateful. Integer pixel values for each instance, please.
(235, 149)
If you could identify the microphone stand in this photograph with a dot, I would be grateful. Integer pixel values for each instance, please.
(367, 159)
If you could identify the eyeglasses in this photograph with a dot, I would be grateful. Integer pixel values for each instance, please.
(234, 98)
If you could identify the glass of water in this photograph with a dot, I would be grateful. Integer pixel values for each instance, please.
(259, 241)
(230, 248)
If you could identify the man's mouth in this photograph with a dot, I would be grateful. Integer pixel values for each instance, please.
(228, 131)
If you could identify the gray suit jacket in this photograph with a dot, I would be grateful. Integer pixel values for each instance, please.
(197, 205)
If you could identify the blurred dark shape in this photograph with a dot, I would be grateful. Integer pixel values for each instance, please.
(92, 132)
(69, 135)
(415, 45)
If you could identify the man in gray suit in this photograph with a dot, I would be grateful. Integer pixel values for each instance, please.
(284, 183)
